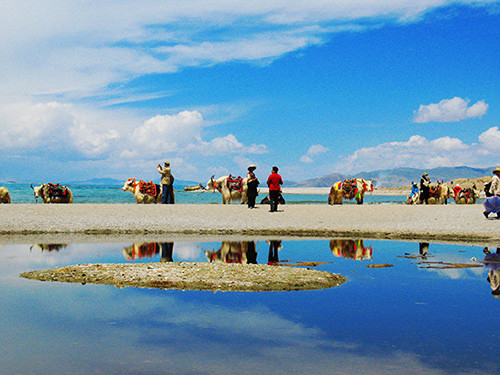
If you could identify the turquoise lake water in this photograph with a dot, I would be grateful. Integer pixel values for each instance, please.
(22, 193)
(406, 319)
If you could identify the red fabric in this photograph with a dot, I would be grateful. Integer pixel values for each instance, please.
(274, 181)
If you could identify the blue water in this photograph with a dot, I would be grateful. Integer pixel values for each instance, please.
(397, 320)
(22, 193)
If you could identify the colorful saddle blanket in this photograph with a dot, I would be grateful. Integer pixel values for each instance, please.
(235, 183)
(349, 188)
(56, 190)
(149, 188)
(435, 190)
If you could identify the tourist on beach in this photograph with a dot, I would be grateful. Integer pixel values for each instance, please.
(167, 182)
(274, 181)
(492, 204)
(252, 183)
(425, 182)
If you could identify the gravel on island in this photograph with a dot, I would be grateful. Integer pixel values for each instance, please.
(193, 276)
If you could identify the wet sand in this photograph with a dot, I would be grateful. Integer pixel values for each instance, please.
(111, 222)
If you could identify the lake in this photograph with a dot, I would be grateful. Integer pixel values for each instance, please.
(414, 317)
(23, 193)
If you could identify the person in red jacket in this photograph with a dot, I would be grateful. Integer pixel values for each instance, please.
(274, 181)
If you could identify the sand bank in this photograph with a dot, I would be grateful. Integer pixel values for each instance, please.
(193, 276)
(75, 222)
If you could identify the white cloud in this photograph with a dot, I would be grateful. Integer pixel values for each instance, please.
(182, 134)
(420, 152)
(55, 128)
(450, 110)
(490, 140)
(69, 47)
(312, 152)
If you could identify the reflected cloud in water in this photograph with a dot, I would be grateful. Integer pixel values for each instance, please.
(104, 330)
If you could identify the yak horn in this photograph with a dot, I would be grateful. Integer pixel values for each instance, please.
(32, 186)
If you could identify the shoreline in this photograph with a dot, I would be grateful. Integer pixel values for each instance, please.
(110, 222)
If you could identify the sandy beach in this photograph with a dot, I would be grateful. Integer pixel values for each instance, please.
(89, 222)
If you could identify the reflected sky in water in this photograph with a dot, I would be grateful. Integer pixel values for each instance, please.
(401, 319)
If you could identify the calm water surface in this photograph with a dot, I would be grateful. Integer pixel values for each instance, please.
(402, 319)
(22, 193)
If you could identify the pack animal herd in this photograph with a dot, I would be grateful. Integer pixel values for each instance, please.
(350, 189)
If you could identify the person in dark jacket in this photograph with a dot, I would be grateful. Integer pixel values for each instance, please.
(425, 182)
(252, 183)
(274, 182)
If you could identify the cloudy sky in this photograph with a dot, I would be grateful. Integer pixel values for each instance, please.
(110, 89)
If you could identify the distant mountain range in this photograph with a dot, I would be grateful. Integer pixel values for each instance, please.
(383, 178)
(399, 176)
(119, 183)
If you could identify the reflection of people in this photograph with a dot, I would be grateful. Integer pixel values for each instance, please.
(492, 203)
(251, 252)
(492, 264)
(273, 258)
(425, 182)
(167, 183)
(423, 248)
(274, 181)
(167, 249)
(252, 183)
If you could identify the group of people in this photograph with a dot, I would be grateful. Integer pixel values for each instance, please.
(492, 202)
(274, 182)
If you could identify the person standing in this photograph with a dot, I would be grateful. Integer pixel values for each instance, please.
(425, 182)
(274, 182)
(167, 182)
(492, 204)
(252, 183)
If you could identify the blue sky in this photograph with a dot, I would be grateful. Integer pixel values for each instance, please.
(315, 87)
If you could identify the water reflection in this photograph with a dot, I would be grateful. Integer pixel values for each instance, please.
(492, 265)
(423, 249)
(85, 328)
(351, 249)
(234, 252)
(49, 246)
(141, 250)
(167, 249)
(273, 257)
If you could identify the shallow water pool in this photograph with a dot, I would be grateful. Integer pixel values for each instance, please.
(414, 316)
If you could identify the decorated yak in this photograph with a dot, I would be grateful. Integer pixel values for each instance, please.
(351, 249)
(465, 195)
(439, 193)
(231, 188)
(144, 192)
(53, 193)
(354, 188)
(233, 252)
(49, 246)
(4, 195)
(140, 250)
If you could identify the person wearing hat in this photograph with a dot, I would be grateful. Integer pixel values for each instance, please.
(492, 204)
(252, 183)
(274, 182)
(425, 182)
(167, 183)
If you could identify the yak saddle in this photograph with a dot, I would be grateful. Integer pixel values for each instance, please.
(235, 183)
